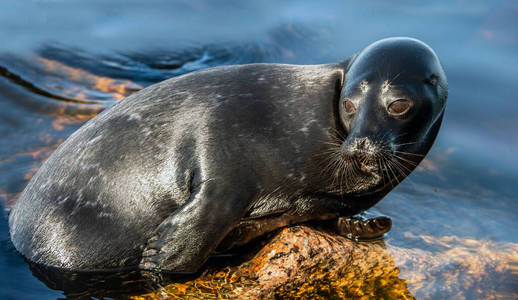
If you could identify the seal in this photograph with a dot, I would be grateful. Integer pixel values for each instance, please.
(161, 178)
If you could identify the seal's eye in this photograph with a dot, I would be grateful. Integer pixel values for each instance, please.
(399, 107)
(349, 107)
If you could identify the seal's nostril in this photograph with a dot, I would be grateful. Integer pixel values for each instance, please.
(361, 143)
(360, 148)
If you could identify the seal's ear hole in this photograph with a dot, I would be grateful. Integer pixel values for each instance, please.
(432, 80)
(349, 107)
(399, 107)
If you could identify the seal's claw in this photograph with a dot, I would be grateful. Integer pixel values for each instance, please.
(360, 229)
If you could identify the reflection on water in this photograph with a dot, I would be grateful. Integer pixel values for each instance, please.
(449, 266)
(455, 231)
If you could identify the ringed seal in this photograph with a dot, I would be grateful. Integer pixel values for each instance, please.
(161, 178)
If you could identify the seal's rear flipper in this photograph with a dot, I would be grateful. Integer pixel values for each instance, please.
(181, 243)
(358, 228)
(184, 240)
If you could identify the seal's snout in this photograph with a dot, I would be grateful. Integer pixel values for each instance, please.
(363, 151)
(361, 148)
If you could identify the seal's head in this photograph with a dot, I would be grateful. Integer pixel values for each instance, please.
(391, 106)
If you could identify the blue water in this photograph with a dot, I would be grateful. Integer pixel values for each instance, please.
(468, 189)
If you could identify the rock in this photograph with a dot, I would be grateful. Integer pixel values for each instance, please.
(299, 262)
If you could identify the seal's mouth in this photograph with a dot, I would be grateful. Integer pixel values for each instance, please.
(368, 168)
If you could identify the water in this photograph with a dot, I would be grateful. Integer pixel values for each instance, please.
(455, 228)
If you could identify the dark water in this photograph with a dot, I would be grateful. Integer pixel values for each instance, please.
(455, 219)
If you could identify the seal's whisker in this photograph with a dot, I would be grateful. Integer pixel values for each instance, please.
(327, 153)
(396, 161)
(401, 167)
(344, 168)
(357, 165)
(403, 144)
(405, 174)
(406, 170)
(391, 154)
(381, 169)
(331, 147)
(395, 170)
(392, 171)
(333, 163)
(389, 165)
(389, 175)
(409, 153)
(387, 133)
(330, 141)
(405, 160)
(384, 169)
(347, 175)
(338, 134)
(337, 171)
(398, 136)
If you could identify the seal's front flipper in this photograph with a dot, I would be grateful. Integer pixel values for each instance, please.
(358, 228)
(249, 229)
